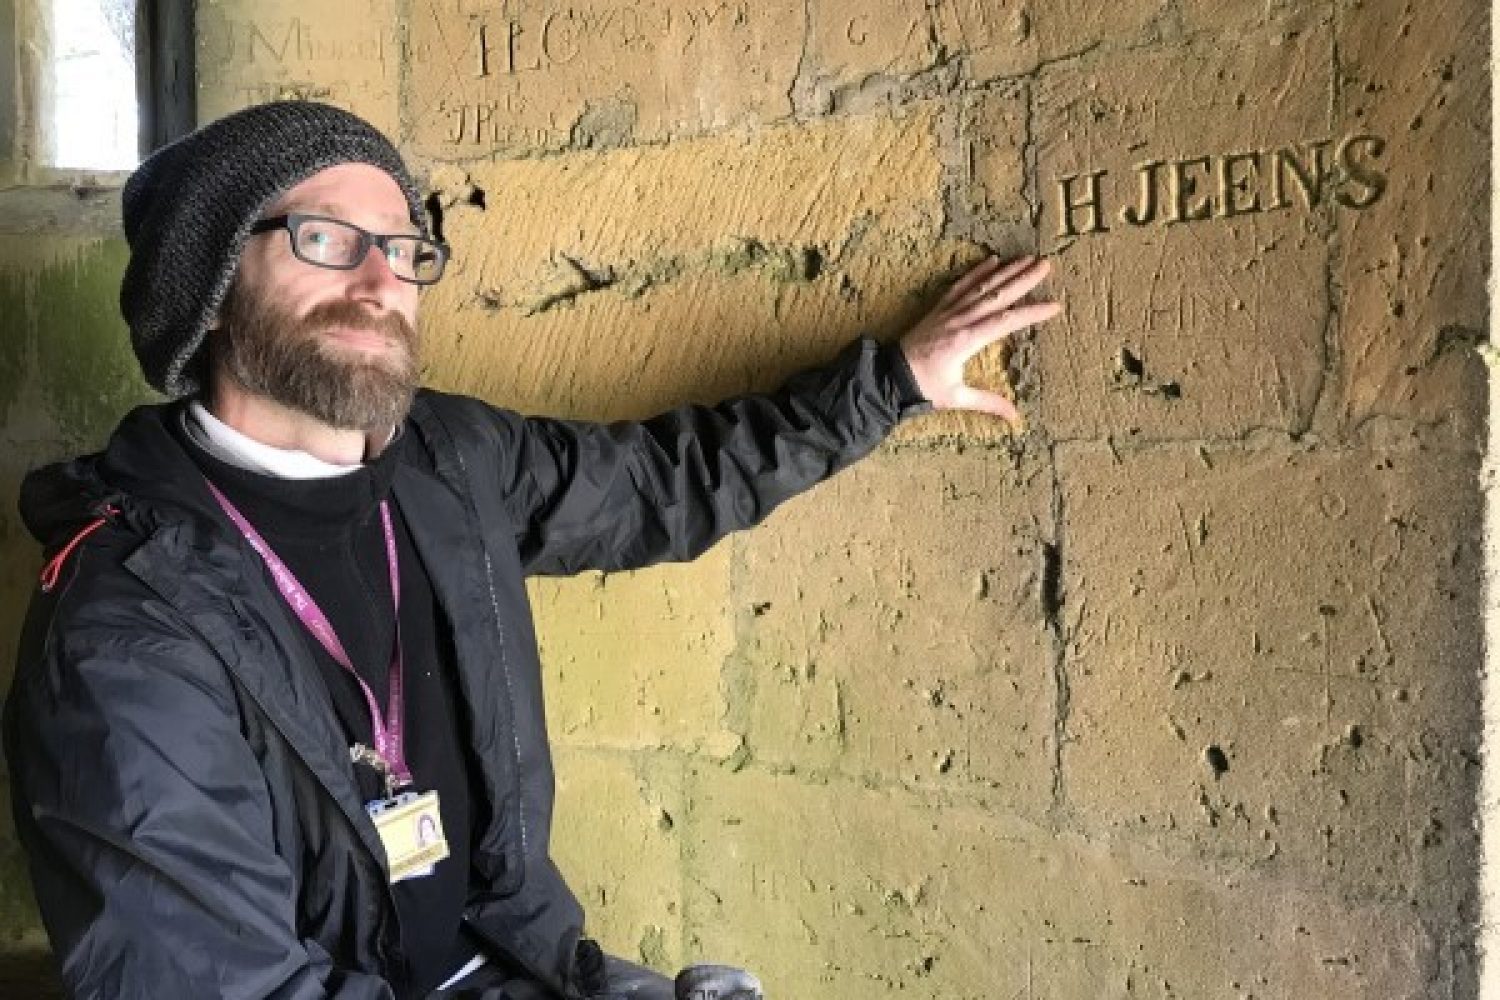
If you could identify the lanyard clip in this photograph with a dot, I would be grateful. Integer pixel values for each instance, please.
(361, 754)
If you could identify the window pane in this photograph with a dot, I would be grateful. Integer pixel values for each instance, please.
(93, 122)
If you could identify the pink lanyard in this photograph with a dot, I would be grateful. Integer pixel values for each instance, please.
(390, 748)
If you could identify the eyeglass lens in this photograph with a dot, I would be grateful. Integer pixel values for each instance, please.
(340, 244)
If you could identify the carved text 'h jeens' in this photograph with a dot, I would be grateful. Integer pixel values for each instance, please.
(1199, 188)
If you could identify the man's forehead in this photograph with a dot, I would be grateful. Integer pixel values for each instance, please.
(349, 189)
(342, 210)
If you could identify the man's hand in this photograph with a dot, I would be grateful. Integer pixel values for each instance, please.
(977, 311)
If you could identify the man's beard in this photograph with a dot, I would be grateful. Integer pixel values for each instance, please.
(292, 361)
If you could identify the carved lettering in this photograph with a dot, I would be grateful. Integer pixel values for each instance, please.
(1199, 188)
(1144, 213)
(491, 124)
(1309, 179)
(258, 40)
(528, 42)
(1093, 202)
(1361, 173)
(559, 39)
(1234, 186)
(1185, 187)
(858, 31)
(300, 42)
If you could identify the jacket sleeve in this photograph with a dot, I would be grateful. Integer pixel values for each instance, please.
(147, 822)
(629, 494)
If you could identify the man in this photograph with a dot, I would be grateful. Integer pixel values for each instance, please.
(276, 729)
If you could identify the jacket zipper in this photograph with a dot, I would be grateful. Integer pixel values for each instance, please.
(510, 693)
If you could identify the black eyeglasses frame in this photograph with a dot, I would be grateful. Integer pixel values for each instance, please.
(291, 221)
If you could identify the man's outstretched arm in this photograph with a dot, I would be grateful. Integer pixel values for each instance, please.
(628, 494)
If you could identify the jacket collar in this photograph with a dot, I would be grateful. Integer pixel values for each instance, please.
(195, 559)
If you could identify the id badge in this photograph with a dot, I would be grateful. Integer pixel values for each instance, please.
(411, 830)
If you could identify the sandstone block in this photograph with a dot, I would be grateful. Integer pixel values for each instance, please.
(1252, 673)
(1229, 22)
(1410, 269)
(519, 77)
(992, 170)
(1192, 262)
(617, 840)
(348, 54)
(861, 53)
(842, 891)
(636, 659)
(584, 290)
(905, 642)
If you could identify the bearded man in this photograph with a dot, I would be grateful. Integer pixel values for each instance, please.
(276, 729)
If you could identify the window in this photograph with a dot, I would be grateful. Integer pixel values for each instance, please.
(94, 83)
(90, 119)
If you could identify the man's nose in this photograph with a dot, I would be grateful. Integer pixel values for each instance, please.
(374, 276)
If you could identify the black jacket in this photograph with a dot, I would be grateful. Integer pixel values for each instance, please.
(179, 781)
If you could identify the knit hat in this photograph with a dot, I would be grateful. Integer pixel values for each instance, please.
(189, 206)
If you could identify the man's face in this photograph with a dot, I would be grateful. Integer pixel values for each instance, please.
(340, 346)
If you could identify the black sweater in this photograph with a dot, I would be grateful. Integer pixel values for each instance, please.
(328, 532)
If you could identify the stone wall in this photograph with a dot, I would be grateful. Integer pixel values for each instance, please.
(1171, 692)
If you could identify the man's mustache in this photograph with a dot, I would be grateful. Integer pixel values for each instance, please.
(354, 317)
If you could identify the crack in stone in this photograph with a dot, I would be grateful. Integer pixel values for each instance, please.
(1052, 596)
(1332, 289)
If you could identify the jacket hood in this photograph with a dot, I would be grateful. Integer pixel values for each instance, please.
(140, 474)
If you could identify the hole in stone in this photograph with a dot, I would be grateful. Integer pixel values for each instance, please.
(434, 206)
(1129, 369)
(1216, 759)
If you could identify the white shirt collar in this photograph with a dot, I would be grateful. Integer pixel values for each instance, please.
(229, 445)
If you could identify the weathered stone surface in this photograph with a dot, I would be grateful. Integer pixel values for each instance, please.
(349, 54)
(523, 76)
(20, 925)
(1207, 326)
(906, 642)
(988, 184)
(636, 659)
(585, 267)
(1410, 270)
(860, 54)
(1229, 21)
(66, 376)
(29, 973)
(617, 839)
(837, 890)
(1251, 674)
(601, 261)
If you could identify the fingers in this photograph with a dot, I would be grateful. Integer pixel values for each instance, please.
(1000, 322)
(976, 274)
(1007, 287)
(1017, 318)
(983, 306)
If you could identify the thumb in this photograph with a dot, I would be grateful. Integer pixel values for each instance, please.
(985, 401)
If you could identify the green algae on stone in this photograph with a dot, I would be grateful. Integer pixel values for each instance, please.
(19, 920)
(13, 340)
(86, 368)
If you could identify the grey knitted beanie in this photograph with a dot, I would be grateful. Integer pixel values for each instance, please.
(188, 209)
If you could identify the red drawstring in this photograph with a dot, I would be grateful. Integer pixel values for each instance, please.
(53, 569)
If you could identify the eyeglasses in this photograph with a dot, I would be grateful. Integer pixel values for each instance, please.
(342, 246)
